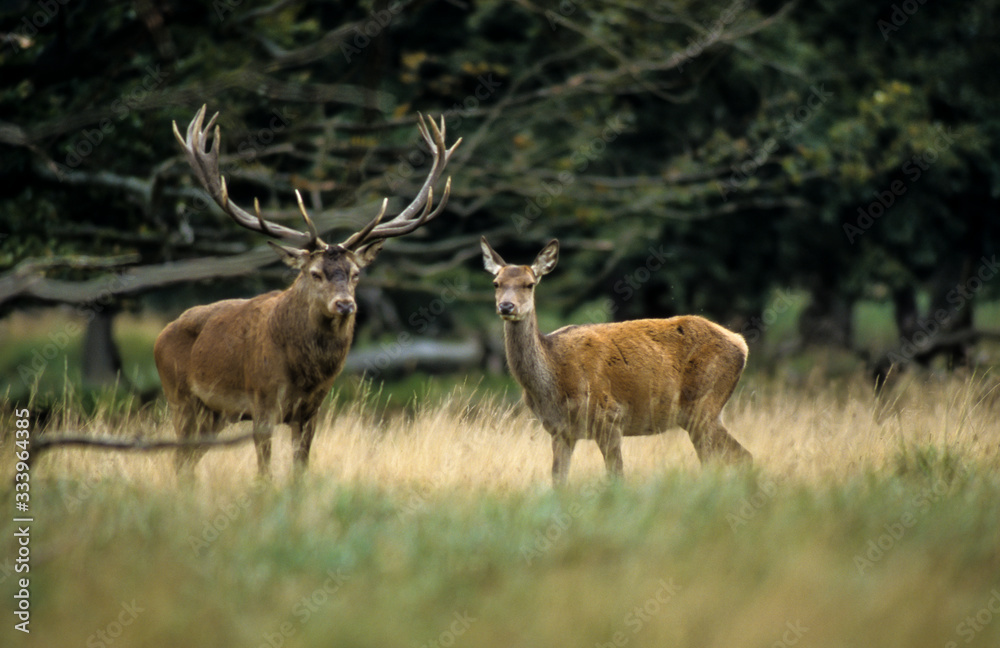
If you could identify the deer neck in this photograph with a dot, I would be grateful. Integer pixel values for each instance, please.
(528, 358)
(315, 345)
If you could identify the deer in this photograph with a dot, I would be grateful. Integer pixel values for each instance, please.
(272, 359)
(613, 380)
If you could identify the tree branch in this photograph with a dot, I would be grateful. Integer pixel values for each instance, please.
(133, 280)
(39, 445)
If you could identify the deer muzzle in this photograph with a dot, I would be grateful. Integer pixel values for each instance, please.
(343, 306)
(507, 310)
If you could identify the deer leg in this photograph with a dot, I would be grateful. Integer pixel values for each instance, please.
(562, 455)
(610, 444)
(302, 438)
(262, 432)
(712, 441)
(191, 422)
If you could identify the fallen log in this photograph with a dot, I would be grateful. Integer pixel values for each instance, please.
(407, 355)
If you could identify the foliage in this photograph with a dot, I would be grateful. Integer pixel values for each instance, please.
(758, 144)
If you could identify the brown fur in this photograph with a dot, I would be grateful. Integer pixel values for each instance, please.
(271, 359)
(608, 381)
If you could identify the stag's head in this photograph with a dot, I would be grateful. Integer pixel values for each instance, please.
(328, 277)
(515, 284)
(328, 273)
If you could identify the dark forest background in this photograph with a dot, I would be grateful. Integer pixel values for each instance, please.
(727, 159)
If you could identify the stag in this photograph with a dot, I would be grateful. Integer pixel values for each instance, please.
(608, 381)
(273, 358)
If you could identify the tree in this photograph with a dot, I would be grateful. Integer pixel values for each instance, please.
(691, 157)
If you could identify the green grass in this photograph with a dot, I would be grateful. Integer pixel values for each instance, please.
(413, 392)
(718, 558)
(41, 360)
(874, 326)
(439, 527)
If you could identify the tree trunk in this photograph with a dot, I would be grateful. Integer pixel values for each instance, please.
(102, 363)
(905, 311)
(924, 336)
(826, 321)
(951, 311)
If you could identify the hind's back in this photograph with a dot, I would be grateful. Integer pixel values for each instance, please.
(652, 372)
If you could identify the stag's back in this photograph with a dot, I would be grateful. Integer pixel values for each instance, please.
(208, 346)
(648, 374)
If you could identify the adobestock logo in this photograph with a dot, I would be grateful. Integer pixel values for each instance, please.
(23, 37)
(913, 169)
(90, 138)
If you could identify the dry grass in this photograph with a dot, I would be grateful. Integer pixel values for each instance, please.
(804, 435)
(447, 510)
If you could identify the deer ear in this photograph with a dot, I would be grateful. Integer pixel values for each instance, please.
(293, 257)
(491, 260)
(368, 253)
(546, 260)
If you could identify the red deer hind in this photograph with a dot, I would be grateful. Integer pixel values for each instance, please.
(607, 381)
(273, 358)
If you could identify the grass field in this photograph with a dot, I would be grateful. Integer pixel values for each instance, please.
(437, 526)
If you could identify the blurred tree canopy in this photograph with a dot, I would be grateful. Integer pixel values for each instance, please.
(691, 156)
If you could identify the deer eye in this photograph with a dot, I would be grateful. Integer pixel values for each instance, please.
(317, 275)
(496, 284)
(355, 276)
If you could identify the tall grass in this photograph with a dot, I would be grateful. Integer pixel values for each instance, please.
(487, 441)
(862, 523)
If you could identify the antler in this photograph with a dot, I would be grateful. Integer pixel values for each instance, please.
(205, 164)
(412, 217)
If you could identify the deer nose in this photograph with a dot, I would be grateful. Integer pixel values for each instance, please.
(505, 308)
(344, 306)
